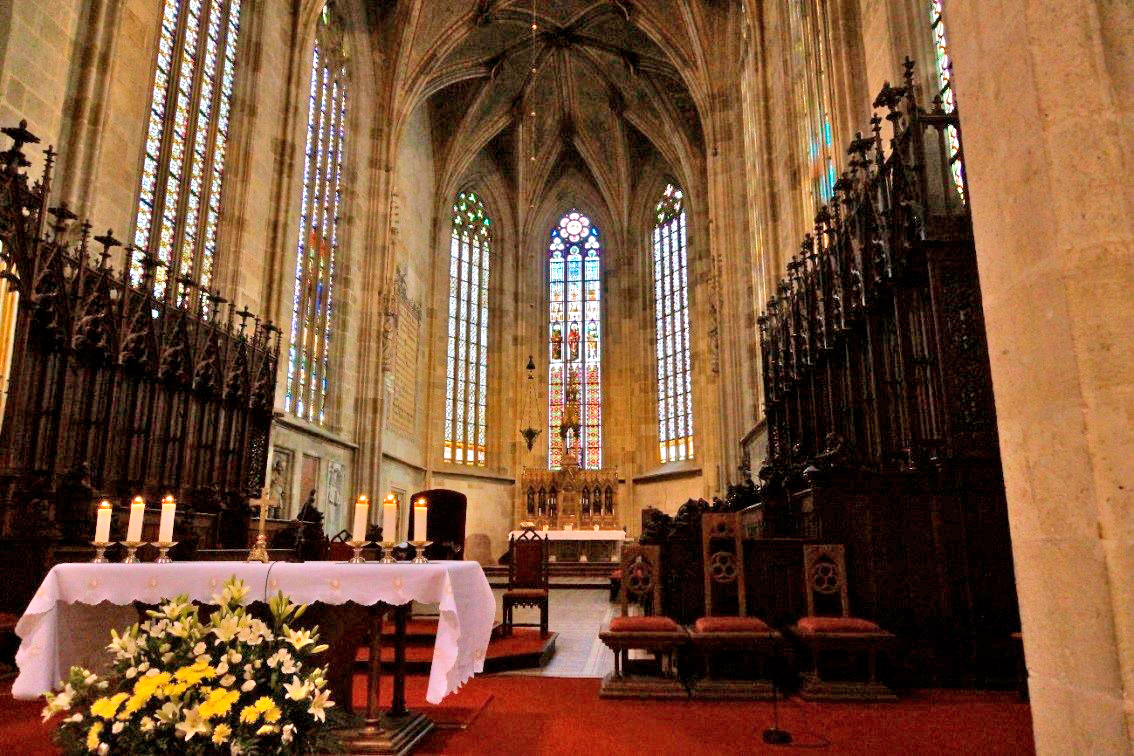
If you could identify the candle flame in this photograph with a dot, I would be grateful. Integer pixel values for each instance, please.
(104, 504)
(138, 502)
(362, 498)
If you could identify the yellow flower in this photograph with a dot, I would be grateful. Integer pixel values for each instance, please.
(92, 736)
(146, 686)
(218, 702)
(174, 689)
(248, 715)
(272, 715)
(263, 703)
(106, 707)
(195, 672)
(144, 690)
(221, 734)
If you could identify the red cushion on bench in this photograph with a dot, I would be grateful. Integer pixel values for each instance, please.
(643, 625)
(526, 593)
(730, 625)
(837, 625)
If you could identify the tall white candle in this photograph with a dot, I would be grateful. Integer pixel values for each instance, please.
(137, 515)
(420, 512)
(361, 517)
(165, 526)
(389, 519)
(102, 523)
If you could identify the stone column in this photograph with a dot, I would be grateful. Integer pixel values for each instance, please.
(1044, 92)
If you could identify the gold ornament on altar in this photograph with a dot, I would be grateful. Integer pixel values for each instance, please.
(259, 552)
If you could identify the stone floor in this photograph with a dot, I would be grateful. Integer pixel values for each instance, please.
(577, 615)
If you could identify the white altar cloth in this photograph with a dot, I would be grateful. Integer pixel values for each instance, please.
(68, 620)
(577, 535)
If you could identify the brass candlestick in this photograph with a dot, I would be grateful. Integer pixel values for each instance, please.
(163, 548)
(357, 546)
(100, 551)
(419, 546)
(387, 553)
(132, 551)
(259, 552)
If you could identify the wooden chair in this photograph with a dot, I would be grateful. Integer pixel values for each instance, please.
(723, 562)
(527, 577)
(824, 569)
(652, 632)
(337, 548)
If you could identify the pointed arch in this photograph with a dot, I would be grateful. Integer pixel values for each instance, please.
(575, 340)
(671, 319)
(310, 370)
(466, 371)
(178, 203)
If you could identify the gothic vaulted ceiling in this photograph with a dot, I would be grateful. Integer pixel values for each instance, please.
(607, 98)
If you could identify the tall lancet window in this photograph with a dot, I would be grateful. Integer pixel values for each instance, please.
(671, 317)
(944, 69)
(811, 60)
(466, 382)
(310, 369)
(575, 338)
(186, 137)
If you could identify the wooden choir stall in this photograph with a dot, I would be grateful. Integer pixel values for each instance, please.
(881, 431)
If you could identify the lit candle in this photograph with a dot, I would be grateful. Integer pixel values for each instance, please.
(389, 518)
(137, 515)
(168, 512)
(361, 516)
(420, 512)
(102, 524)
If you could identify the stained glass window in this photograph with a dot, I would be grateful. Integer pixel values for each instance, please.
(186, 138)
(944, 69)
(313, 323)
(575, 341)
(671, 318)
(812, 95)
(466, 382)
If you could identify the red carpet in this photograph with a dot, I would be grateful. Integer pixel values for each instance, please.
(534, 715)
(542, 715)
(458, 710)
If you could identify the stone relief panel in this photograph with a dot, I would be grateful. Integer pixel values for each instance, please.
(403, 362)
(279, 494)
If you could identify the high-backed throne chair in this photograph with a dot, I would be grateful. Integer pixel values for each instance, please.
(527, 578)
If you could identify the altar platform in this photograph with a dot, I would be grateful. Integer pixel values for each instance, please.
(581, 545)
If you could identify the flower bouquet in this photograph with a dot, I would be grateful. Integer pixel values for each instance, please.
(229, 685)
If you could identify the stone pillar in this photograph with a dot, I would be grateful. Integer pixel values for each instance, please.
(1044, 92)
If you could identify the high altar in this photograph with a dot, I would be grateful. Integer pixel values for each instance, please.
(571, 498)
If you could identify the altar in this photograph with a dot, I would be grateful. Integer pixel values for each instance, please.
(69, 619)
(582, 545)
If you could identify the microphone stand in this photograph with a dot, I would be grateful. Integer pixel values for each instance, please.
(774, 735)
